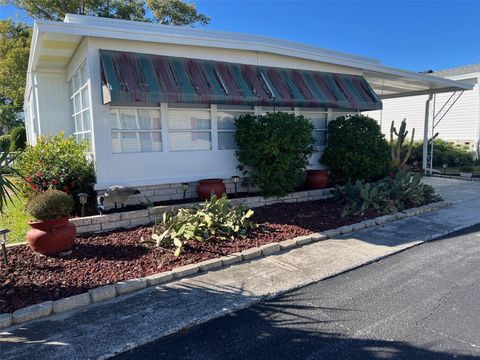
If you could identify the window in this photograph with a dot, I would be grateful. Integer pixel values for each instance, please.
(189, 129)
(80, 104)
(319, 121)
(226, 126)
(135, 130)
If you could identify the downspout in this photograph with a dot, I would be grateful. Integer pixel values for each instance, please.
(425, 133)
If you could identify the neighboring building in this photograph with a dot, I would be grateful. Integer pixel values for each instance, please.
(460, 126)
(157, 102)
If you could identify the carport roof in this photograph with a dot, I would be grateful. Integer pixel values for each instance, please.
(54, 43)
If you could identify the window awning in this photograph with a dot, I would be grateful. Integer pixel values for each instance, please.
(147, 80)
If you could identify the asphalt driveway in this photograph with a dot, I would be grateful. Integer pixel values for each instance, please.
(422, 303)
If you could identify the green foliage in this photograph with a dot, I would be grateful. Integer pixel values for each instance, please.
(176, 12)
(466, 169)
(7, 187)
(50, 205)
(356, 150)
(388, 195)
(56, 10)
(4, 142)
(169, 12)
(10, 115)
(444, 153)
(14, 51)
(273, 150)
(18, 139)
(57, 162)
(214, 219)
(397, 145)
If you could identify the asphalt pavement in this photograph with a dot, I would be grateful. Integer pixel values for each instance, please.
(422, 303)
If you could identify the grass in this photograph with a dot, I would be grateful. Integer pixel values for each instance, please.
(15, 219)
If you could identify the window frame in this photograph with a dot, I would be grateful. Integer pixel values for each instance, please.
(120, 131)
(169, 130)
(229, 110)
(80, 134)
(325, 112)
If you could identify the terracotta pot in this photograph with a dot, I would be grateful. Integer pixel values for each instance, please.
(207, 187)
(51, 237)
(316, 179)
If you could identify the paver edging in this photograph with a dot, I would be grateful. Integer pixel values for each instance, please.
(133, 285)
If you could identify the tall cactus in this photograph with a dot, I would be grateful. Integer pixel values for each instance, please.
(396, 147)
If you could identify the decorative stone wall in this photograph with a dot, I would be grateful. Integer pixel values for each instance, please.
(167, 192)
(102, 223)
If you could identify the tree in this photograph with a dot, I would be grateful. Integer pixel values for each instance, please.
(57, 9)
(176, 12)
(14, 50)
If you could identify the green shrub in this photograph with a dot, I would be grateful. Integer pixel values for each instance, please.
(4, 142)
(388, 195)
(444, 153)
(356, 150)
(56, 162)
(273, 150)
(50, 205)
(215, 218)
(466, 169)
(18, 139)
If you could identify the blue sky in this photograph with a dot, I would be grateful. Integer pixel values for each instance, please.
(415, 35)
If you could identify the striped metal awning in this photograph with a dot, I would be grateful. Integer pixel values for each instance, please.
(147, 80)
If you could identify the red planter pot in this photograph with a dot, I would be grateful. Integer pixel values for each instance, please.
(51, 237)
(207, 187)
(316, 179)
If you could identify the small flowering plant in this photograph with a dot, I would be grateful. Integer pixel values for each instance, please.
(57, 162)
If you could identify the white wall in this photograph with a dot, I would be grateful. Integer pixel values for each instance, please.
(461, 124)
(140, 169)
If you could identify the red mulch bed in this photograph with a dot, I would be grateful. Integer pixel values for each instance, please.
(110, 257)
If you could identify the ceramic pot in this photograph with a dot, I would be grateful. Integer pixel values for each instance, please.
(207, 187)
(51, 237)
(316, 179)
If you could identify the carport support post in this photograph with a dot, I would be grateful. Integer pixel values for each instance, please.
(425, 133)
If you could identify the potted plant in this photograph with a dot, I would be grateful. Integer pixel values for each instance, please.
(52, 232)
(466, 171)
(316, 179)
(207, 187)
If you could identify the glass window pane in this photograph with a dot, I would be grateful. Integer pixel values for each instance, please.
(128, 119)
(76, 81)
(320, 137)
(144, 119)
(129, 142)
(83, 74)
(319, 120)
(146, 143)
(87, 137)
(190, 140)
(78, 122)
(114, 120)
(189, 119)
(156, 120)
(157, 141)
(226, 140)
(86, 120)
(226, 119)
(85, 99)
(76, 101)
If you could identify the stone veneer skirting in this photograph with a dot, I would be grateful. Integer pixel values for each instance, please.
(102, 223)
(167, 192)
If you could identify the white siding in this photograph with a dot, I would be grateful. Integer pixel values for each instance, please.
(459, 125)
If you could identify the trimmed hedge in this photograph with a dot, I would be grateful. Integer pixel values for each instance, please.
(274, 150)
(356, 150)
(18, 139)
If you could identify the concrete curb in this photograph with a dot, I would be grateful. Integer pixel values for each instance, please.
(108, 292)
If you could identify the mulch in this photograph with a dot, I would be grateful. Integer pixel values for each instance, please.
(101, 259)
